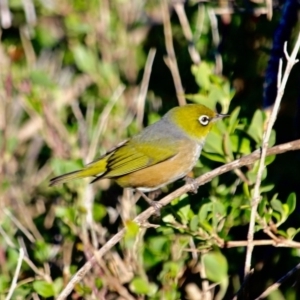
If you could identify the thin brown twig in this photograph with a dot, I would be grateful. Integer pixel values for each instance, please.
(206, 294)
(170, 60)
(277, 284)
(276, 242)
(244, 285)
(5, 14)
(194, 54)
(234, 244)
(144, 87)
(230, 10)
(15, 278)
(216, 40)
(282, 243)
(20, 226)
(144, 216)
(269, 7)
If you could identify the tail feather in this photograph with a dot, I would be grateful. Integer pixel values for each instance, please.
(97, 168)
(66, 177)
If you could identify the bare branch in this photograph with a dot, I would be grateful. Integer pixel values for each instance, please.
(186, 28)
(15, 279)
(144, 86)
(256, 194)
(216, 40)
(170, 60)
(277, 284)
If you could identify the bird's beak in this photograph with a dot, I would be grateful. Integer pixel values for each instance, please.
(219, 116)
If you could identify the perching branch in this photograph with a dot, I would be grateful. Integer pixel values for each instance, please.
(291, 61)
(144, 216)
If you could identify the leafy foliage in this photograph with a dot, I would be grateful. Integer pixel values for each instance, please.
(70, 86)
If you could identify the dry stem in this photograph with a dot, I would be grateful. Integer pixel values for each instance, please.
(291, 61)
(170, 60)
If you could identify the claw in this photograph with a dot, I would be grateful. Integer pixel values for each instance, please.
(157, 206)
(193, 183)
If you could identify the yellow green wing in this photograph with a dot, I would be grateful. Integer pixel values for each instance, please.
(131, 157)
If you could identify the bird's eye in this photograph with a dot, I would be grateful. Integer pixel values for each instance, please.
(204, 120)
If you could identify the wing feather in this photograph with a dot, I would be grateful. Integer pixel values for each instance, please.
(131, 157)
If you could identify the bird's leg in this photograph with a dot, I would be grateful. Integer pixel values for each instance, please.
(193, 183)
(151, 202)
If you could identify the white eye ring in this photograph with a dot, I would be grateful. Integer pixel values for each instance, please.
(204, 120)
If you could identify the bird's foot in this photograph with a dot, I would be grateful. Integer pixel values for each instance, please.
(194, 184)
(156, 205)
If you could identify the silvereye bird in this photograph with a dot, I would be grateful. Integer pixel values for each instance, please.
(162, 153)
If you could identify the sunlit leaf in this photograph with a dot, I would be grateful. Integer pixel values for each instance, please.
(233, 119)
(216, 266)
(255, 129)
(43, 288)
(202, 73)
(132, 230)
(291, 202)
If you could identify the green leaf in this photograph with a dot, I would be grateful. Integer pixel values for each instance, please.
(213, 144)
(85, 59)
(240, 144)
(194, 223)
(99, 212)
(246, 190)
(227, 147)
(218, 213)
(5, 282)
(291, 202)
(276, 205)
(41, 78)
(158, 244)
(45, 36)
(44, 251)
(233, 119)
(204, 210)
(202, 73)
(291, 232)
(269, 159)
(132, 230)
(75, 25)
(267, 188)
(171, 269)
(68, 214)
(183, 212)
(214, 157)
(282, 209)
(58, 285)
(200, 99)
(43, 288)
(255, 129)
(215, 94)
(216, 266)
(139, 286)
(272, 138)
